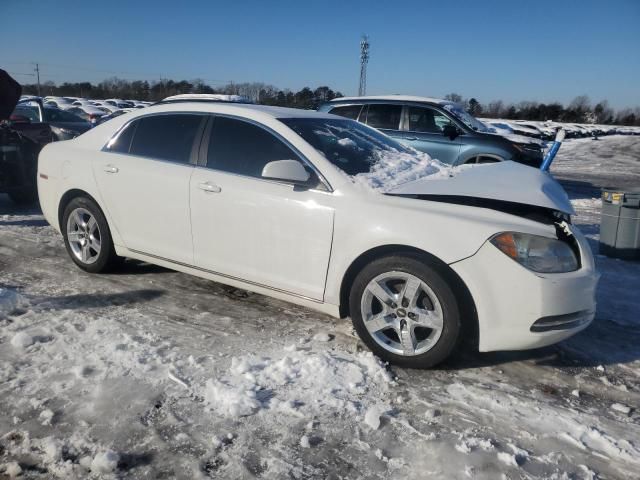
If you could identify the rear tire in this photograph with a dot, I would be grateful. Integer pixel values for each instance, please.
(405, 310)
(87, 237)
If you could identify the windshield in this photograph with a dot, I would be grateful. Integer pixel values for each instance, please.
(55, 115)
(469, 120)
(366, 155)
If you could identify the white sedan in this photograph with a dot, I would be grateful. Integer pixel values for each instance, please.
(330, 214)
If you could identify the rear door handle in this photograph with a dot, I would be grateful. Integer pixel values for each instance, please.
(412, 139)
(209, 187)
(110, 169)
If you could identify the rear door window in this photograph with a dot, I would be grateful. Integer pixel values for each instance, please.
(166, 137)
(383, 116)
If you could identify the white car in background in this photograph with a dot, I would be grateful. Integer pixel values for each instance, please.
(330, 214)
(116, 102)
(59, 102)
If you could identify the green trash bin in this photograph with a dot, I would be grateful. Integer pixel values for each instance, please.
(620, 224)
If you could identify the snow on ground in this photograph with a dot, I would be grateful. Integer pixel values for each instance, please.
(149, 373)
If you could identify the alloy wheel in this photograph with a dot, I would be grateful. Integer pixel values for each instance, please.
(83, 235)
(402, 313)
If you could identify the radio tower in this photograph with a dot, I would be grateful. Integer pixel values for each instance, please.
(364, 59)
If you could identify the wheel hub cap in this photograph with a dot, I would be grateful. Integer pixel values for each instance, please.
(402, 313)
(84, 236)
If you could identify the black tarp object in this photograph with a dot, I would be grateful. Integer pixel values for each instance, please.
(10, 92)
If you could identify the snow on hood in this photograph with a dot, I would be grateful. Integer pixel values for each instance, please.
(507, 181)
(393, 168)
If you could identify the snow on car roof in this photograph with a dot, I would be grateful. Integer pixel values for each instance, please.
(398, 98)
(209, 96)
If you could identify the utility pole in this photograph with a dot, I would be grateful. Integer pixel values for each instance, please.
(38, 77)
(364, 59)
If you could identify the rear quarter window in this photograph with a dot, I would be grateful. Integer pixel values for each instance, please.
(166, 137)
(347, 111)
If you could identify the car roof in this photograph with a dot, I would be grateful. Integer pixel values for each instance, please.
(244, 109)
(394, 98)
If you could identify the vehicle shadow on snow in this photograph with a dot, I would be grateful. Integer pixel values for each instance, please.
(137, 267)
(97, 300)
(578, 189)
(598, 345)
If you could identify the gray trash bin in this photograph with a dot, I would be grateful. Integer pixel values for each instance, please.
(620, 224)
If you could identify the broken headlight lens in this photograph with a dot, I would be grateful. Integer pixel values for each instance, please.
(538, 254)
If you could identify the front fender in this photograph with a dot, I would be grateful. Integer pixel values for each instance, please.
(448, 232)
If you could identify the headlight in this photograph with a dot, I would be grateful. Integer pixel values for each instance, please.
(539, 254)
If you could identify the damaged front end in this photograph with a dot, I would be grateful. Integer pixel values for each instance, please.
(505, 186)
(509, 188)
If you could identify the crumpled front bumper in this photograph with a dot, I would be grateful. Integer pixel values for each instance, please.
(518, 309)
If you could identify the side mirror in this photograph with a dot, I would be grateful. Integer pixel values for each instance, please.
(287, 171)
(450, 131)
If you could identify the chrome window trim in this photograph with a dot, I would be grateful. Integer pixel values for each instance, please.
(200, 148)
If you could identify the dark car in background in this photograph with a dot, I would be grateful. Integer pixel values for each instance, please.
(63, 125)
(30, 126)
(440, 128)
(20, 143)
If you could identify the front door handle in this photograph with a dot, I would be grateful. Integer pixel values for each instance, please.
(209, 187)
(110, 169)
(411, 139)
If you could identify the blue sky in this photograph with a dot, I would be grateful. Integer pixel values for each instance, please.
(540, 50)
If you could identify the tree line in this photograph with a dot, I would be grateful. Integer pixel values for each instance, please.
(154, 91)
(579, 110)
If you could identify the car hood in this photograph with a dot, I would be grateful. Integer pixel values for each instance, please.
(518, 139)
(503, 181)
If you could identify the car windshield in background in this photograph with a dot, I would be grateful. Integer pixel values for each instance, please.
(352, 147)
(466, 118)
(55, 115)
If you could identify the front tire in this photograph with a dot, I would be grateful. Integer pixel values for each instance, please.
(404, 309)
(87, 237)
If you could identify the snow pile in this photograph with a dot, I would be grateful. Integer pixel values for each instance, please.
(372, 417)
(231, 400)
(299, 383)
(22, 340)
(12, 469)
(105, 462)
